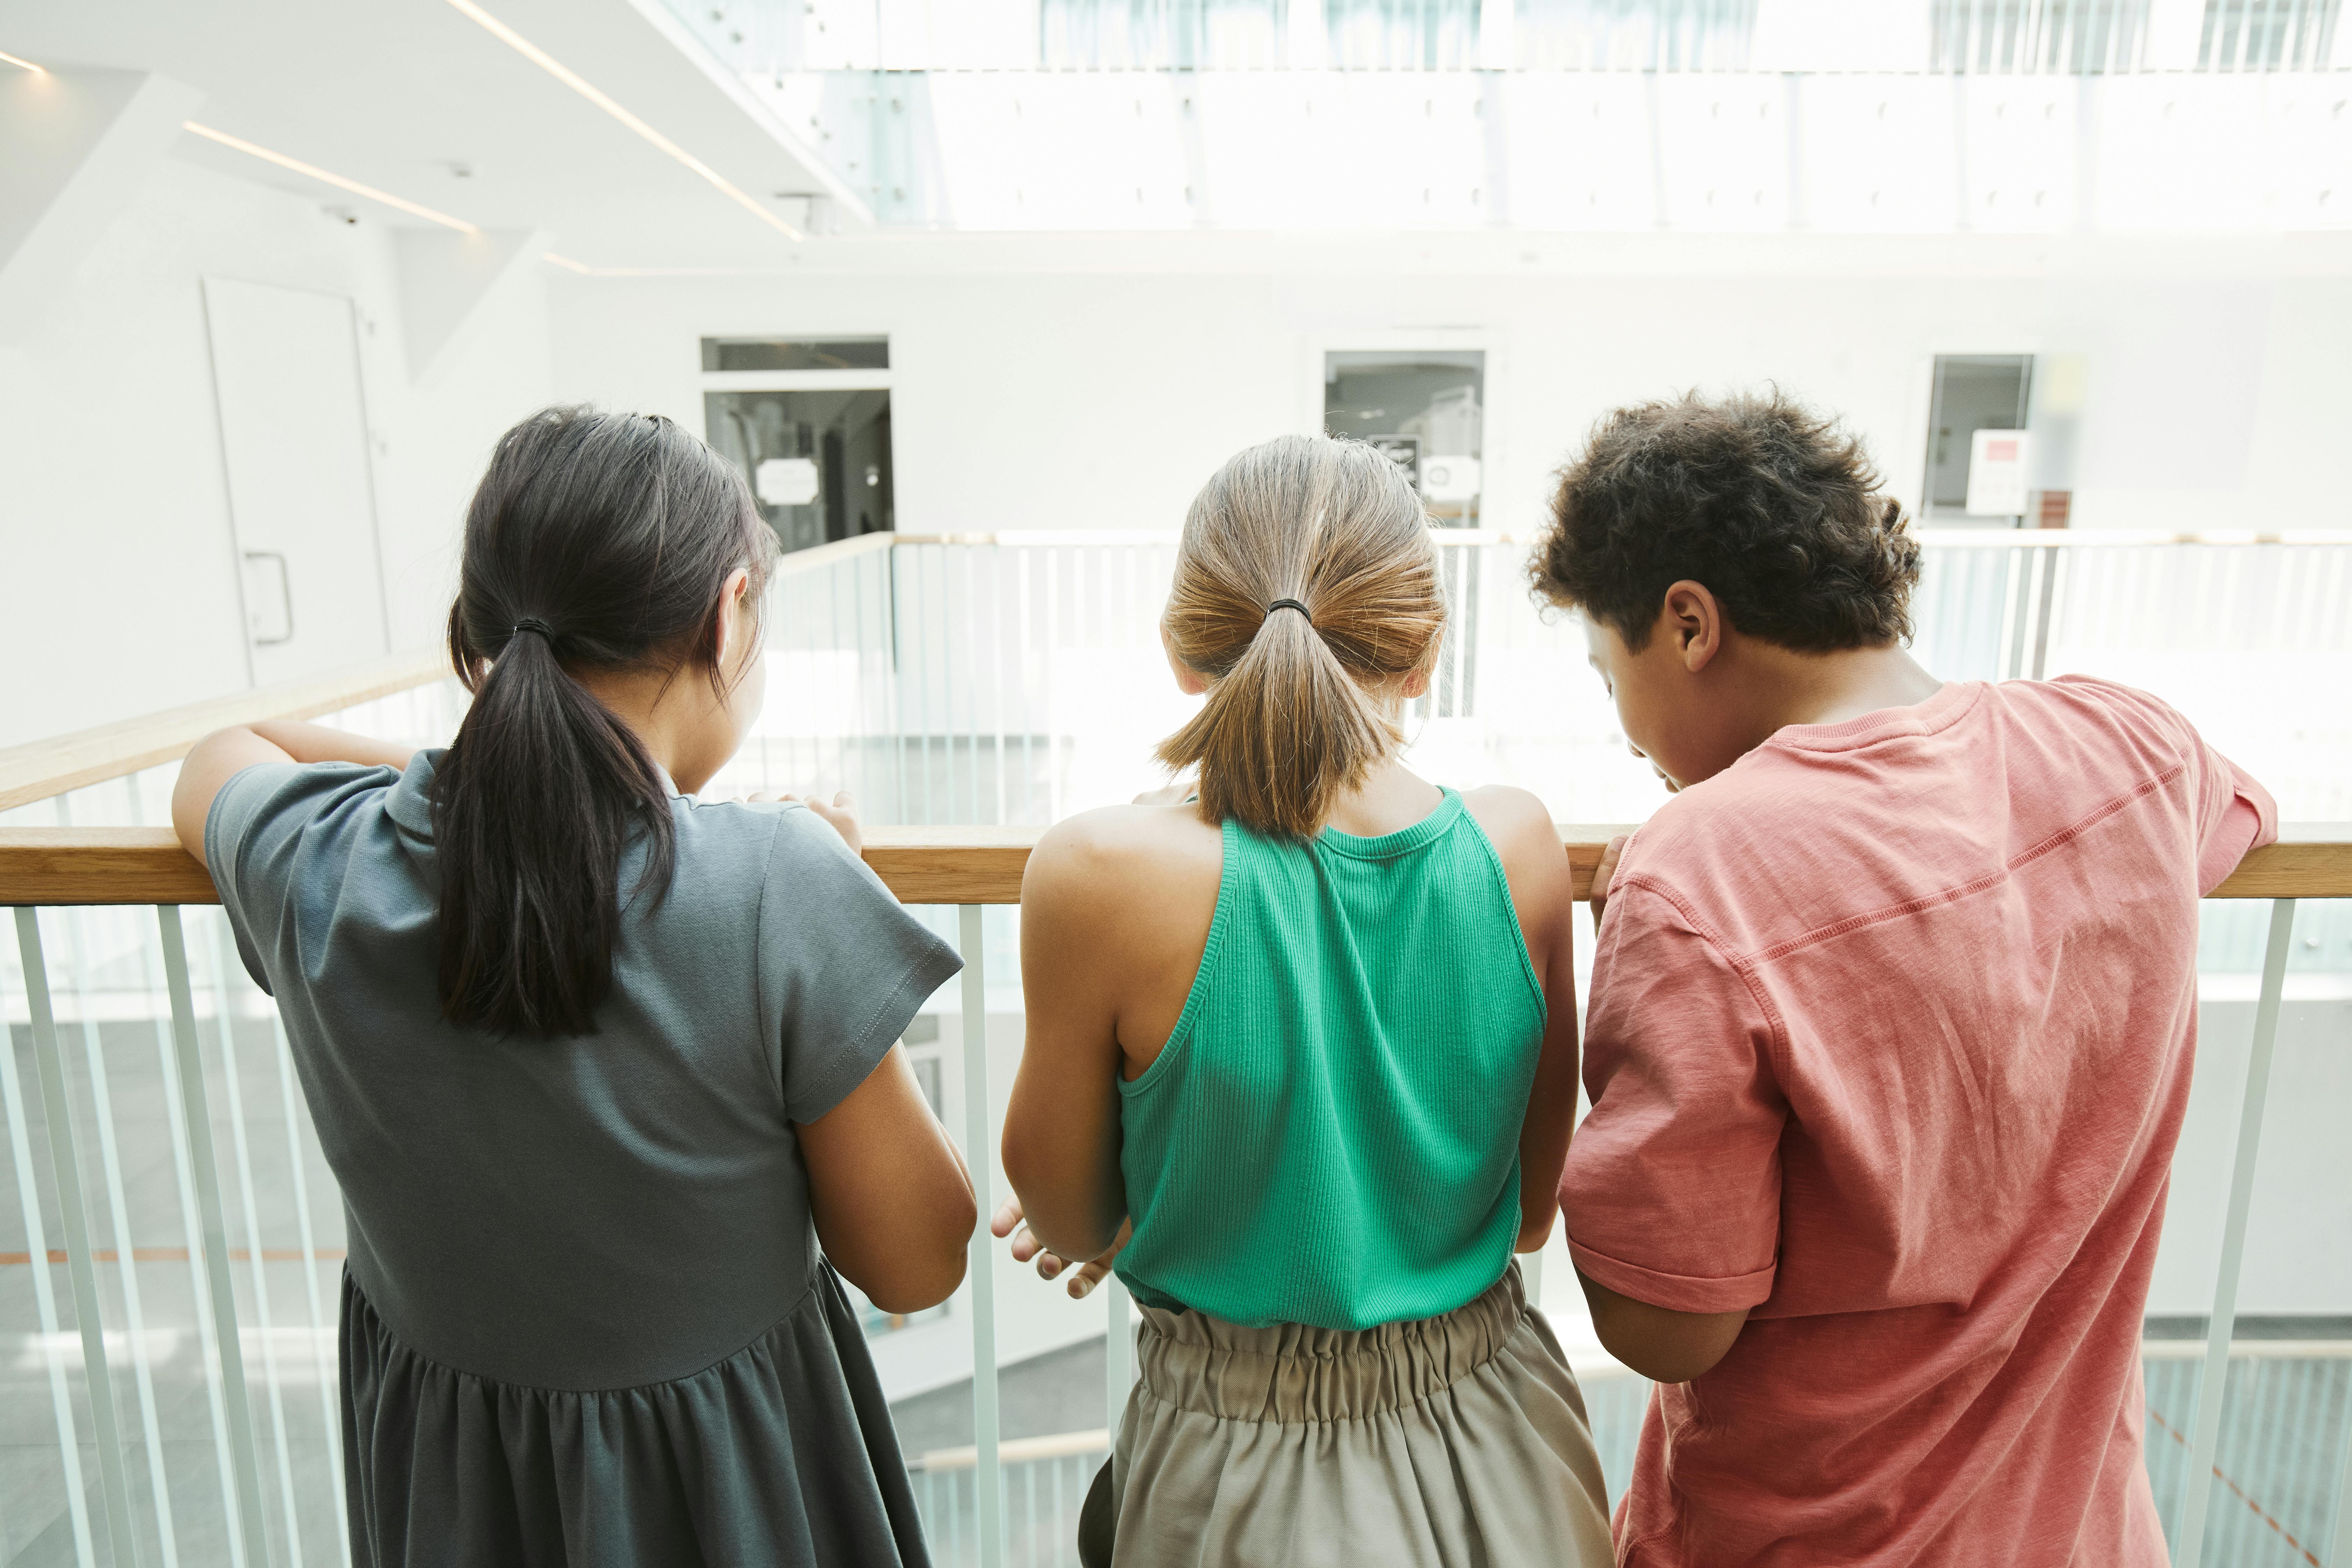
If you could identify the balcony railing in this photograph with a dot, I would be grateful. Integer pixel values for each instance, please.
(167, 1322)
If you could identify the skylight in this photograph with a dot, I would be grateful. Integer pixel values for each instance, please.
(1715, 116)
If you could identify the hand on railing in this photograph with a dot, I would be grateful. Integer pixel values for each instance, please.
(841, 811)
(1026, 1246)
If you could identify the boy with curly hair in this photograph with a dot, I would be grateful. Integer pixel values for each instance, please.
(1890, 1028)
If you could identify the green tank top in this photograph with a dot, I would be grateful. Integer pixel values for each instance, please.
(1330, 1135)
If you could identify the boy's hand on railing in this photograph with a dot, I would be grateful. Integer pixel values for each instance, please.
(1026, 1246)
(841, 811)
(1603, 874)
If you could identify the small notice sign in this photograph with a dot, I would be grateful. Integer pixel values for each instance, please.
(1997, 473)
(787, 482)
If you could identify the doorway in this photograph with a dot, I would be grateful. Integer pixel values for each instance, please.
(1426, 409)
(294, 443)
(1972, 393)
(808, 422)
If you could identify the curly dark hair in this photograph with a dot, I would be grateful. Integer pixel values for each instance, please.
(1771, 506)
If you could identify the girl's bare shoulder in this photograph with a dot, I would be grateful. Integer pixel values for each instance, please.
(1513, 818)
(1125, 859)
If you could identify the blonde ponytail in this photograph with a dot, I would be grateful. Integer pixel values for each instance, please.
(1290, 724)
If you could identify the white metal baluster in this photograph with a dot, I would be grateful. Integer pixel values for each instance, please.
(65, 1162)
(920, 620)
(971, 666)
(247, 1541)
(256, 1266)
(2189, 1548)
(1028, 686)
(192, 1234)
(988, 1519)
(134, 1316)
(887, 608)
(1029, 1541)
(996, 553)
(323, 1328)
(1053, 650)
(44, 1300)
(2343, 1553)
(844, 744)
(1061, 1514)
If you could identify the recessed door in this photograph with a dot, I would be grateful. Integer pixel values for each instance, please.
(294, 441)
(1975, 393)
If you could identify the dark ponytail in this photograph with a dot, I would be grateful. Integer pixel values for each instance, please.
(596, 541)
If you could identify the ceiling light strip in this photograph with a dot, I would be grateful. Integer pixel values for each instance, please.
(27, 65)
(588, 90)
(585, 270)
(299, 167)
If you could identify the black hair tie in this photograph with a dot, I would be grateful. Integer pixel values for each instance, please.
(1291, 605)
(531, 623)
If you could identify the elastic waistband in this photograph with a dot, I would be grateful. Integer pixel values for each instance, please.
(1289, 1372)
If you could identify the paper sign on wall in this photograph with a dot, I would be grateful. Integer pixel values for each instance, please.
(1449, 479)
(1997, 473)
(786, 481)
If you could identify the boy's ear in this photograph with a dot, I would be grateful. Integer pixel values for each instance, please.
(1695, 620)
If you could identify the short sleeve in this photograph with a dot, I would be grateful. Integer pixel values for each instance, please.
(842, 967)
(254, 836)
(2234, 813)
(1672, 1190)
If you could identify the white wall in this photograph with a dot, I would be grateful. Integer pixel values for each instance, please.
(1095, 381)
(117, 595)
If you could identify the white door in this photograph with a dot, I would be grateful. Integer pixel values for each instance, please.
(294, 437)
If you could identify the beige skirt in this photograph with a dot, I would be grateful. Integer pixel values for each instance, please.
(1445, 1442)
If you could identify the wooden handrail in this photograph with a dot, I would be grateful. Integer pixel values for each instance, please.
(42, 866)
(39, 769)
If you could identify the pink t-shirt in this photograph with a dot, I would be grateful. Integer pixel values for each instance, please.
(1889, 1040)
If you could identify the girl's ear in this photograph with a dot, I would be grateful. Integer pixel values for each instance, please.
(1188, 680)
(1415, 685)
(736, 620)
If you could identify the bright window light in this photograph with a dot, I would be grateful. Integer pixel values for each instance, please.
(316, 173)
(595, 95)
(25, 65)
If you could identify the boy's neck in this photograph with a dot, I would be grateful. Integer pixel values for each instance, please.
(1788, 686)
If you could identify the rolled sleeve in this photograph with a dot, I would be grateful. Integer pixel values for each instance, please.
(2235, 815)
(1671, 1194)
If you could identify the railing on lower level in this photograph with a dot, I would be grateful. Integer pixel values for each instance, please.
(277, 1499)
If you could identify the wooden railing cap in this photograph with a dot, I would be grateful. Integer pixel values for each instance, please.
(42, 866)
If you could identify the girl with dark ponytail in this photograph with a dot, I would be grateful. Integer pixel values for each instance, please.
(1302, 1058)
(600, 1070)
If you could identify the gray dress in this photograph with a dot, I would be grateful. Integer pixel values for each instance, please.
(584, 1316)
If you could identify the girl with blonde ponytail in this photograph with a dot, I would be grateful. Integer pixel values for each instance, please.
(1301, 1060)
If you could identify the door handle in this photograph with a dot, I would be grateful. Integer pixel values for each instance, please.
(285, 596)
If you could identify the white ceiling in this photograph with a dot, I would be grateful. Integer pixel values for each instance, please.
(393, 92)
